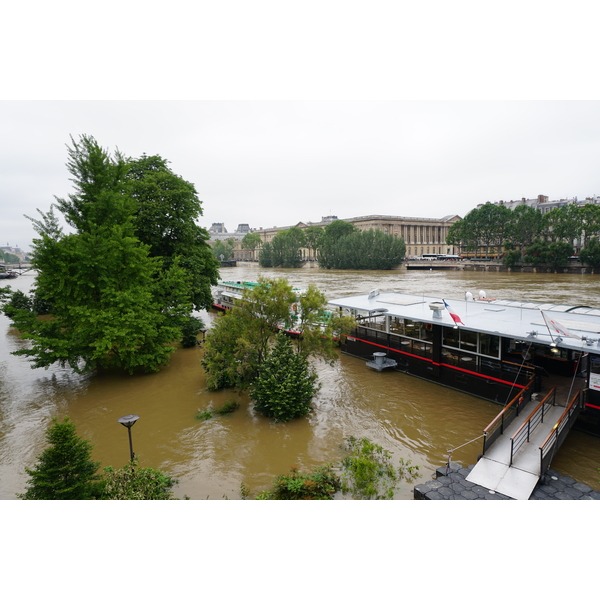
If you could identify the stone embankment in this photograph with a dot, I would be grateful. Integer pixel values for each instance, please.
(451, 484)
(474, 265)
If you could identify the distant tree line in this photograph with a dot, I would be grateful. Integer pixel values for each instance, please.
(526, 235)
(8, 258)
(339, 245)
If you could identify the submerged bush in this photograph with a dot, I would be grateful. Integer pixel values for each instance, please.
(321, 484)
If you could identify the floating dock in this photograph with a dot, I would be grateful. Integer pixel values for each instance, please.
(451, 484)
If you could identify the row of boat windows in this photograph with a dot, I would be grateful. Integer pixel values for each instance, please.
(459, 339)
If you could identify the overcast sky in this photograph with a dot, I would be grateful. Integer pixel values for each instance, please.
(401, 109)
(275, 163)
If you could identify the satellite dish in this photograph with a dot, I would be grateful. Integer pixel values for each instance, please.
(482, 294)
(468, 296)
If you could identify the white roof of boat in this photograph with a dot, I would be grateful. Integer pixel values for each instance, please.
(508, 318)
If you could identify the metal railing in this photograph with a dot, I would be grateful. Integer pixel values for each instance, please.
(559, 432)
(496, 428)
(523, 434)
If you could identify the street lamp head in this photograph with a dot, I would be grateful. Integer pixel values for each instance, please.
(128, 420)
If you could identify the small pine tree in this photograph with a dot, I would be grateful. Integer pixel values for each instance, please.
(65, 470)
(285, 384)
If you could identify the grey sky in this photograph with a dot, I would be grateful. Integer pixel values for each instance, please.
(272, 163)
(344, 108)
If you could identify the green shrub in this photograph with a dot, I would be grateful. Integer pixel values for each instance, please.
(367, 471)
(190, 330)
(321, 484)
(229, 407)
(204, 415)
(285, 384)
(132, 483)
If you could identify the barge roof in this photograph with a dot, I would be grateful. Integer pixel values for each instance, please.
(508, 318)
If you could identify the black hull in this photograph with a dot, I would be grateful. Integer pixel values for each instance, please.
(499, 385)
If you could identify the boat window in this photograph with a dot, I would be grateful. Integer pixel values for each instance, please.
(451, 337)
(471, 341)
(489, 344)
(468, 340)
(397, 325)
(412, 328)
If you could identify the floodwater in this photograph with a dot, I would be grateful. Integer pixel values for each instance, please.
(212, 459)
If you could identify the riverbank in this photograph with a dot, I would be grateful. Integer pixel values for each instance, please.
(451, 484)
(493, 266)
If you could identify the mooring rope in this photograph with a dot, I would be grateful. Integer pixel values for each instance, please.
(518, 373)
(458, 448)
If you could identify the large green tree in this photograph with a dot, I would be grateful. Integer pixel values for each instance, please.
(112, 304)
(240, 339)
(166, 210)
(285, 250)
(65, 470)
(313, 235)
(590, 255)
(343, 247)
(564, 224)
(223, 250)
(553, 254)
(524, 225)
(327, 244)
(251, 241)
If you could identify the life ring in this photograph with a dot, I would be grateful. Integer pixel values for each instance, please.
(428, 326)
(295, 308)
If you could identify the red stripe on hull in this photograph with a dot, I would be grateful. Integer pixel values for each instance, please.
(522, 387)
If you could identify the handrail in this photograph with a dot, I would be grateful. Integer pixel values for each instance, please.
(521, 366)
(533, 420)
(496, 427)
(505, 409)
(560, 423)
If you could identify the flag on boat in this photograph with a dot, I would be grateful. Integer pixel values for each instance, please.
(554, 326)
(454, 316)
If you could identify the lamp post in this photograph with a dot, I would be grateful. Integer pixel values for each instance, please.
(129, 421)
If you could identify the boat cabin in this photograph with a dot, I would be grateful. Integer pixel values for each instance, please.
(487, 347)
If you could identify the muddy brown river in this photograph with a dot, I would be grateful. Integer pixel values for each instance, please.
(413, 419)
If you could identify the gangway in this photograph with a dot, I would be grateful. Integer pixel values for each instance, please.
(521, 441)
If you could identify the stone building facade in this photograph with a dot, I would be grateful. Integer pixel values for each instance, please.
(543, 204)
(421, 235)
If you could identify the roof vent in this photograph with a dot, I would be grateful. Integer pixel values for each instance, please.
(437, 308)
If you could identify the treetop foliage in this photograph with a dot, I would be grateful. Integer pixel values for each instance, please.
(119, 289)
(541, 238)
(240, 339)
(285, 384)
(343, 246)
(65, 470)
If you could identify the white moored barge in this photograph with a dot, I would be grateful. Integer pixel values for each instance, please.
(490, 348)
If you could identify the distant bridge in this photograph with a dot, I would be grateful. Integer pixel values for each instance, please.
(21, 267)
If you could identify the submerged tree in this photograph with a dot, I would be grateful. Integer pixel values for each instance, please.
(285, 250)
(240, 339)
(113, 300)
(368, 472)
(65, 470)
(342, 246)
(166, 210)
(285, 384)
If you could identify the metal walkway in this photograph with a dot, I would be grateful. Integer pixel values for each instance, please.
(522, 452)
